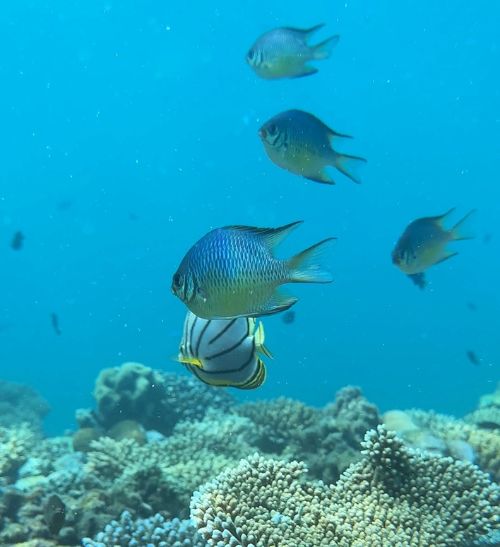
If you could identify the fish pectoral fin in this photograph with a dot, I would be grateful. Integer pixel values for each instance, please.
(259, 341)
(418, 279)
(190, 361)
(306, 71)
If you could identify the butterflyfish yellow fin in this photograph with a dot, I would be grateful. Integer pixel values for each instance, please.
(190, 361)
(259, 341)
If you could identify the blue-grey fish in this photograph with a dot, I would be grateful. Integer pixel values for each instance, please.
(285, 53)
(301, 143)
(224, 352)
(425, 243)
(232, 272)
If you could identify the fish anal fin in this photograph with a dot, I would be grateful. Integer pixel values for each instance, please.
(277, 303)
(306, 71)
(322, 177)
(419, 279)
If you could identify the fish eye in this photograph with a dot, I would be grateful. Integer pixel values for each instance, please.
(177, 280)
(251, 54)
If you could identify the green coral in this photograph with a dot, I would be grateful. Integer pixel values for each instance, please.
(393, 496)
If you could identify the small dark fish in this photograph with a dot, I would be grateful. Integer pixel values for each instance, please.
(288, 317)
(301, 143)
(224, 352)
(132, 216)
(17, 241)
(471, 306)
(473, 358)
(487, 238)
(424, 244)
(284, 53)
(55, 323)
(54, 513)
(232, 272)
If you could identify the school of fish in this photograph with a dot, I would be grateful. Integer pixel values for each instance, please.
(231, 275)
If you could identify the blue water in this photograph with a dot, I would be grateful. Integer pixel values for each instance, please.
(129, 130)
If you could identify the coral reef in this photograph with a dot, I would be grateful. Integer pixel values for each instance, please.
(327, 440)
(155, 531)
(487, 414)
(393, 496)
(154, 399)
(15, 444)
(21, 404)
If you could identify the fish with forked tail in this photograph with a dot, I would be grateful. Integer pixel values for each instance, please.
(424, 244)
(232, 272)
(285, 53)
(301, 143)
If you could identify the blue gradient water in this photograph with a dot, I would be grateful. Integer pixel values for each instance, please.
(129, 129)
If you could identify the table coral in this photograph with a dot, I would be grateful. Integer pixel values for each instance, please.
(393, 496)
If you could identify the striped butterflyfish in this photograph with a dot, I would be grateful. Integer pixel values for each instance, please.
(224, 352)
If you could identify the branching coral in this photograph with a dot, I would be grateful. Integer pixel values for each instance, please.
(155, 531)
(393, 496)
(15, 444)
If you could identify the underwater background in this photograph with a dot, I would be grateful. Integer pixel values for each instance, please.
(130, 131)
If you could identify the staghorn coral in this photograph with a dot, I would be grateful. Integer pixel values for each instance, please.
(393, 496)
(154, 399)
(21, 404)
(15, 444)
(155, 531)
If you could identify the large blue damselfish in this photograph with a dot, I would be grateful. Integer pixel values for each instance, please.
(232, 272)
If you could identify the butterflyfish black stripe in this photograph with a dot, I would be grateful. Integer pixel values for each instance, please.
(233, 347)
(191, 335)
(224, 330)
(203, 330)
(238, 369)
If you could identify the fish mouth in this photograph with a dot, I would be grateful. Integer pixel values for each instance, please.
(262, 133)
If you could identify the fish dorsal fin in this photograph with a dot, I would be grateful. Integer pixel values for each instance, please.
(307, 32)
(271, 236)
(441, 218)
(259, 336)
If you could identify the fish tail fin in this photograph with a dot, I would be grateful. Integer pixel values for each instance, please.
(259, 341)
(304, 266)
(462, 229)
(324, 48)
(348, 165)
